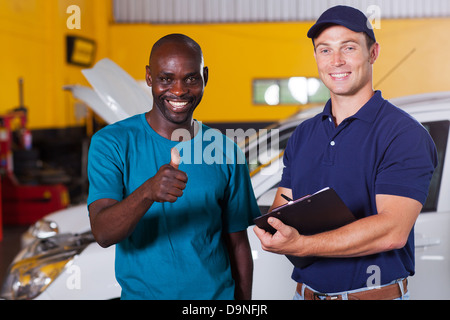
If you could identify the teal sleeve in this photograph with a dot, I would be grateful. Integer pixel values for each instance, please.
(105, 169)
(240, 204)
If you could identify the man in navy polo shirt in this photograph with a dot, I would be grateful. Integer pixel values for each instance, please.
(375, 156)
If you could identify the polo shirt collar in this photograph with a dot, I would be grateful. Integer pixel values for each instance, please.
(367, 113)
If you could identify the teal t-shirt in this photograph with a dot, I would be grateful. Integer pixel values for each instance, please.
(176, 250)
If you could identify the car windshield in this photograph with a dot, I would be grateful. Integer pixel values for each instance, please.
(266, 146)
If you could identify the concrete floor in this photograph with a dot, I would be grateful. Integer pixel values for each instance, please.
(9, 247)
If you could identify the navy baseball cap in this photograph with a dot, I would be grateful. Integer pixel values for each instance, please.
(348, 17)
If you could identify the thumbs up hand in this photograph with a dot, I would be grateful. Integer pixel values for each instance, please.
(174, 158)
(168, 183)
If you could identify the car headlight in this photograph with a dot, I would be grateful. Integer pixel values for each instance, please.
(29, 277)
(44, 229)
(39, 264)
(39, 230)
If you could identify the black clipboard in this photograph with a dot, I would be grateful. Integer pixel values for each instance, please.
(320, 212)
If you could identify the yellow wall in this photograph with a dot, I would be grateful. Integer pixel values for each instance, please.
(414, 59)
(32, 34)
(417, 50)
(235, 54)
(32, 37)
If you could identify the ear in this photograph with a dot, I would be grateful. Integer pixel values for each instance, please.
(148, 76)
(374, 52)
(205, 74)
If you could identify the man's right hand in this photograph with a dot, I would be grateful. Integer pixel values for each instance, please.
(112, 220)
(168, 183)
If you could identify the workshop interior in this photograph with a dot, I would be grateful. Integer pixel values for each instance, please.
(59, 58)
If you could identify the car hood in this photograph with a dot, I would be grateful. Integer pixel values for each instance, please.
(115, 94)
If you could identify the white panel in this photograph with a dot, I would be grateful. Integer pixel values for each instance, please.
(179, 10)
(148, 12)
(207, 12)
(305, 10)
(153, 10)
(384, 6)
(141, 10)
(287, 10)
(217, 11)
(395, 8)
(421, 7)
(269, 10)
(242, 10)
(120, 8)
(433, 9)
(408, 6)
(260, 11)
(165, 11)
(226, 10)
(445, 6)
(198, 10)
(254, 10)
(212, 11)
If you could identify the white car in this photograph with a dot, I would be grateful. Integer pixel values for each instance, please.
(61, 260)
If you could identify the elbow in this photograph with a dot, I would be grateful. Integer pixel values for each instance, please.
(101, 234)
(104, 244)
(102, 239)
(395, 242)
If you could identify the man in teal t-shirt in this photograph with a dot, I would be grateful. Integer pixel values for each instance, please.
(180, 226)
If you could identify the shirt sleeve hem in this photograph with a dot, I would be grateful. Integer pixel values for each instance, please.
(93, 198)
(403, 191)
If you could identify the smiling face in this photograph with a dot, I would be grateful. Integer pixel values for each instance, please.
(344, 61)
(178, 78)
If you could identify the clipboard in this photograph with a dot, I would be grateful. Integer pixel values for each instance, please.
(312, 214)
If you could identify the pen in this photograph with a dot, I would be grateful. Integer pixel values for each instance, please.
(286, 197)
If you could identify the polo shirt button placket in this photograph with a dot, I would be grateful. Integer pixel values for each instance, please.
(330, 153)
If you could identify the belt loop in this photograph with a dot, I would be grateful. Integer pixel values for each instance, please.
(303, 290)
(402, 287)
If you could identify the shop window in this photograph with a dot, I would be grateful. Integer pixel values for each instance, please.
(289, 91)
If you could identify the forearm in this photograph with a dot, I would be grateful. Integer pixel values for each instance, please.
(243, 277)
(241, 264)
(387, 230)
(112, 221)
(363, 237)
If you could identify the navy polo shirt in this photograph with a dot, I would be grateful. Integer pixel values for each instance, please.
(379, 150)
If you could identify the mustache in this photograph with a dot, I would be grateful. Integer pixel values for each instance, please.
(184, 97)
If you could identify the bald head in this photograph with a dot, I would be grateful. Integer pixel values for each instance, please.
(177, 76)
(179, 40)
